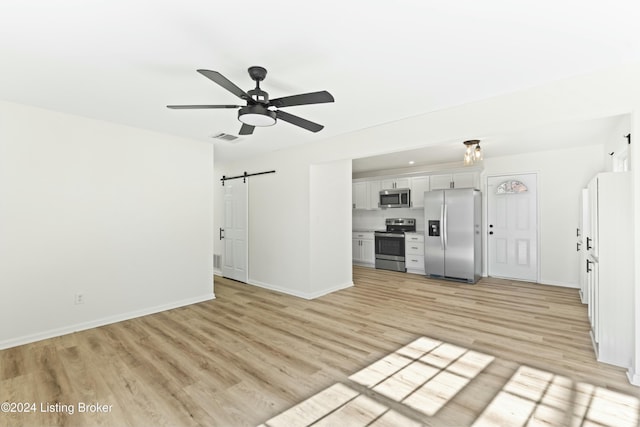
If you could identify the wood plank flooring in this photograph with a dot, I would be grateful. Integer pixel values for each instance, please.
(255, 357)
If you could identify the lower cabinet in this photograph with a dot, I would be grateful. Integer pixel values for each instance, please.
(414, 253)
(363, 248)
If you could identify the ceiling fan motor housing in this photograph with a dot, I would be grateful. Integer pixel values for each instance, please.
(259, 95)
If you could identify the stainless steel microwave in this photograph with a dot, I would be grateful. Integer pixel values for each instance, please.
(395, 198)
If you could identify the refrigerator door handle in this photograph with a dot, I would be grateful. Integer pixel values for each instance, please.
(444, 226)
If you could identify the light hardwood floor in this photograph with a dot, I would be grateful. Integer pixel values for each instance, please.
(395, 349)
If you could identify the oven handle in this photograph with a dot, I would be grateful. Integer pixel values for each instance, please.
(388, 235)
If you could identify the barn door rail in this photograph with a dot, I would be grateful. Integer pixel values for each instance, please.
(244, 176)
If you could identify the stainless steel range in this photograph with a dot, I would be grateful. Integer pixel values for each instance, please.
(390, 243)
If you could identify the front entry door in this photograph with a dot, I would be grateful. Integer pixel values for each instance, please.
(512, 223)
(235, 231)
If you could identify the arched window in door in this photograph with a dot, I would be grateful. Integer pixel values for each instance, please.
(511, 187)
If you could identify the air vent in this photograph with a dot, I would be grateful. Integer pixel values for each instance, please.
(225, 137)
(217, 261)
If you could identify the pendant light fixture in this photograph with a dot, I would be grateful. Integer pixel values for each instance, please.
(473, 152)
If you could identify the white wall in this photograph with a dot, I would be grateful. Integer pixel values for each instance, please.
(121, 215)
(330, 227)
(561, 176)
(616, 147)
(634, 155)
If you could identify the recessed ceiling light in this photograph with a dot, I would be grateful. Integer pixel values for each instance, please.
(411, 162)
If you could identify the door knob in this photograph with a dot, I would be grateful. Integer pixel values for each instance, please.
(490, 225)
(491, 232)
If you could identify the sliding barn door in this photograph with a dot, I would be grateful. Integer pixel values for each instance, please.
(235, 231)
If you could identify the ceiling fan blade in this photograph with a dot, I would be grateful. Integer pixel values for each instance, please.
(191, 107)
(299, 121)
(218, 78)
(303, 99)
(246, 129)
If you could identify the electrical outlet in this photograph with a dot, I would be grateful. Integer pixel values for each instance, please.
(79, 299)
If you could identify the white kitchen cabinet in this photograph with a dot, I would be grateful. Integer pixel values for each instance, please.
(363, 248)
(360, 195)
(581, 246)
(419, 184)
(389, 183)
(374, 194)
(414, 253)
(610, 261)
(455, 180)
(365, 194)
(440, 182)
(466, 180)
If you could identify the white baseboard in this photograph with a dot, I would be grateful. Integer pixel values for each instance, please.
(633, 377)
(305, 295)
(561, 284)
(14, 342)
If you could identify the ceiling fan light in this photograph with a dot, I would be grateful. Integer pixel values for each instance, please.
(257, 115)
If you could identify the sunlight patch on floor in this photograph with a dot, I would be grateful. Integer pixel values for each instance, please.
(334, 405)
(533, 397)
(597, 406)
(423, 375)
(419, 379)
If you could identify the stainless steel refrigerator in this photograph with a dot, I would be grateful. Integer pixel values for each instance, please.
(453, 242)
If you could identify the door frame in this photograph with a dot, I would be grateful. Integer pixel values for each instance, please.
(485, 219)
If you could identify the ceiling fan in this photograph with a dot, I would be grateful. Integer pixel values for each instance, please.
(260, 110)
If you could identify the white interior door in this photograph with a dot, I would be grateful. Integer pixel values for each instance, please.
(235, 232)
(512, 227)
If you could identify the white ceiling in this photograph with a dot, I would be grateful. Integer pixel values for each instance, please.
(123, 61)
(551, 137)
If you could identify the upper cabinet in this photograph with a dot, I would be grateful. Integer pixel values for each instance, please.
(387, 184)
(360, 195)
(374, 194)
(366, 192)
(419, 184)
(455, 180)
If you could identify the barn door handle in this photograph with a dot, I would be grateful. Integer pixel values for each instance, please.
(221, 233)
(588, 269)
